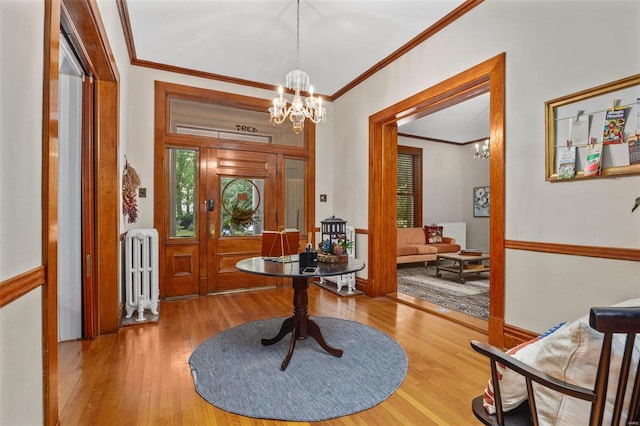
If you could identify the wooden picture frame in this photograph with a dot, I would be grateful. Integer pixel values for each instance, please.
(592, 104)
(481, 201)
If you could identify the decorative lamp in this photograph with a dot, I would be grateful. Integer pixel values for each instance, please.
(333, 244)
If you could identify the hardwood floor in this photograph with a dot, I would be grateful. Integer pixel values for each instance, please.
(141, 376)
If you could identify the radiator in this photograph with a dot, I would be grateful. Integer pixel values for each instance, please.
(457, 230)
(141, 272)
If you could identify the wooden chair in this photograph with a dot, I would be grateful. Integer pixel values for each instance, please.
(605, 320)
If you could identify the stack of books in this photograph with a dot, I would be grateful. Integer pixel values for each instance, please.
(470, 252)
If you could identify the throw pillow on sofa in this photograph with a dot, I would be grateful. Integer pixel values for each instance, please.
(433, 234)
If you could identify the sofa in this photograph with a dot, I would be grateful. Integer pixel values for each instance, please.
(414, 245)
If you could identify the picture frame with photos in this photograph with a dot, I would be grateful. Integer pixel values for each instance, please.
(481, 201)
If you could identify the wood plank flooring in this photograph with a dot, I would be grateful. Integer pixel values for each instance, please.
(141, 376)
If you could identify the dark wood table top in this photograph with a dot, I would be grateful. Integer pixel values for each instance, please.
(257, 265)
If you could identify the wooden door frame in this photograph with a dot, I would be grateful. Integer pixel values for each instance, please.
(162, 138)
(89, 311)
(89, 31)
(488, 76)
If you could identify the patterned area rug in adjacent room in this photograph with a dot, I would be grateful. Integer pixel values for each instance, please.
(470, 298)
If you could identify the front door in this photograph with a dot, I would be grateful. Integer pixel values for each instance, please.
(243, 198)
(222, 174)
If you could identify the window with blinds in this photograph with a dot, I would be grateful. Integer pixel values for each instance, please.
(409, 208)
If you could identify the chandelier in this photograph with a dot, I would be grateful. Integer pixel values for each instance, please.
(484, 154)
(298, 81)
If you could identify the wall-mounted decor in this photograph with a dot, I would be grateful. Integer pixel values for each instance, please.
(240, 204)
(606, 117)
(130, 184)
(481, 201)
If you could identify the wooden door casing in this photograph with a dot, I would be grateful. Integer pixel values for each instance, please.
(164, 138)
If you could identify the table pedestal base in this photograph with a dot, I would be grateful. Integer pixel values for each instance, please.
(299, 325)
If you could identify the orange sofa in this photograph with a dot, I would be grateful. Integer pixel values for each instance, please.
(413, 246)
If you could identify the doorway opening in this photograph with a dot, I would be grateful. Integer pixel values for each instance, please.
(73, 144)
(447, 172)
(383, 134)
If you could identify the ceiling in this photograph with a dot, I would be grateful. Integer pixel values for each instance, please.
(254, 43)
(461, 123)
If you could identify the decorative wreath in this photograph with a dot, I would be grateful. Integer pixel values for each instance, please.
(242, 212)
(130, 184)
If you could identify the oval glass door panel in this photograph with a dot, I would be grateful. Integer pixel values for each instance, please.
(242, 206)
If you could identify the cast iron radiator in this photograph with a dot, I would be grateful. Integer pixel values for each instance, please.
(141, 271)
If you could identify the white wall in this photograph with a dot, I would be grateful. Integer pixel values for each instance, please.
(21, 136)
(442, 184)
(21, 68)
(21, 395)
(475, 173)
(549, 53)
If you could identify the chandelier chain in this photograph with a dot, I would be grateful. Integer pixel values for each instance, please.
(298, 36)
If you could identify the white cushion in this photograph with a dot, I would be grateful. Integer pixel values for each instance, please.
(568, 352)
(513, 389)
(572, 354)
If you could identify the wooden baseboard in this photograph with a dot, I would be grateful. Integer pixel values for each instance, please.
(361, 284)
(513, 336)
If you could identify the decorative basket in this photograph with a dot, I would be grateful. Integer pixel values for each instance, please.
(333, 258)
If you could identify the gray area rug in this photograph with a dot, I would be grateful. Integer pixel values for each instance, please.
(470, 298)
(234, 372)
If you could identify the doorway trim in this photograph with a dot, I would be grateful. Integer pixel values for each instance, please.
(90, 32)
(164, 138)
(488, 76)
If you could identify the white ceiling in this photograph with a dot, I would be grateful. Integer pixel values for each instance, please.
(461, 123)
(256, 41)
